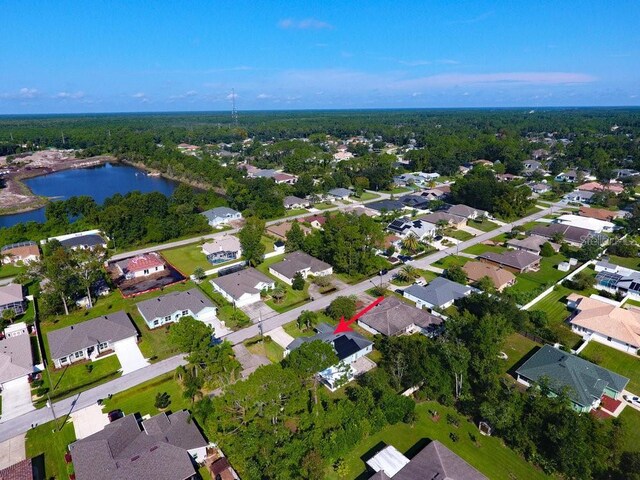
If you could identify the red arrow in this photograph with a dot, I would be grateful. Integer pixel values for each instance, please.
(345, 325)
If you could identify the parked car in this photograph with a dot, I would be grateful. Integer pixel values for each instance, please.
(384, 271)
(404, 258)
(420, 282)
(399, 290)
(114, 415)
(437, 238)
(633, 400)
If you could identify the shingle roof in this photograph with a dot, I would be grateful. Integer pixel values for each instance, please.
(11, 293)
(518, 259)
(498, 276)
(16, 359)
(91, 240)
(226, 243)
(532, 242)
(293, 200)
(170, 303)
(393, 316)
(570, 233)
(436, 217)
(584, 380)
(344, 344)
(244, 281)
(388, 205)
(296, 261)
(112, 328)
(123, 450)
(340, 192)
(439, 291)
(464, 211)
(18, 471)
(219, 212)
(435, 461)
(143, 262)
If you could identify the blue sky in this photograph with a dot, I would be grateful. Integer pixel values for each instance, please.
(106, 56)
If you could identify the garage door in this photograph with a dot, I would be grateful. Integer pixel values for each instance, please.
(129, 355)
(16, 398)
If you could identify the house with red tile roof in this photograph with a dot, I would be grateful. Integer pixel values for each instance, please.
(141, 265)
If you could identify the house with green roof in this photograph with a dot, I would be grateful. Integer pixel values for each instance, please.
(585, 383)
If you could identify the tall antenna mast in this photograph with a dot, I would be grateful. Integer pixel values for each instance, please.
(234, 112)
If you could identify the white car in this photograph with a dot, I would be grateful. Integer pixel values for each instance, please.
(634, 400)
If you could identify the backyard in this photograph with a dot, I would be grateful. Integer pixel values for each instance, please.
(622, 363)
(451, 260)
(487, 454)
(187, 258)
(554, 305)
(516, 346)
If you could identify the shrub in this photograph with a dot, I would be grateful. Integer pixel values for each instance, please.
(163, 400)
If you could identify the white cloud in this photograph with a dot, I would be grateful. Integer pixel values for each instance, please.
(263, 96)
(141, 96)
(70, 95)
(23, 93)
(232, 95)
(306, 24)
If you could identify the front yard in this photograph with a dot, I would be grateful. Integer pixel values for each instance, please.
(622, 363)
(293, 298)
(43, 440)
(484, 225)
(480, 248)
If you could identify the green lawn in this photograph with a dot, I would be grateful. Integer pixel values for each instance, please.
(296, 211)
(43, 440)
(324, 206)
(554, 305)
(451, 260)
(487, 454)
(267, 348)
(484, 225)
(187, 258)
(427, 275)
(632, 263)
(630, 430)
(293, 298)
(75, 378)
(141, 398)
(480, 248)
(10, 270)
(547, 275)
(366, 196)
(293, 330)
(622, 363)
(516, 346)
(398, 190)
(457, 234)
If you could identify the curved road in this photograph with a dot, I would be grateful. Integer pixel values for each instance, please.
(13, 427)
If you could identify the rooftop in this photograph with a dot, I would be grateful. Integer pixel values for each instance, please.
(393, 316)
(345, 344)
(295, 262)
(170, 303)
(242, 282)
(11, 293)
(16, 359)
(498, 276)
(439, 291)
(226, 243)
(518, 259)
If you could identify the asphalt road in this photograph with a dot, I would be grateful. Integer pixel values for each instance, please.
(19, 425)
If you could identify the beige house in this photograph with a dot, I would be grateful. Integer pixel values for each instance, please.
(500, 277)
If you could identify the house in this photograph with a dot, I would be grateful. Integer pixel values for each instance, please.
(386, 205)
(587, 223)
(614, 188)
(218, 465)
(433, 462)
(163, 447)
(540, 188)
(584, 382)
(280, 230)
(87, 240)
(222, 249)
(394, 317)
(415, 201)
(284, 178)
(221, 216)
(433, 194)
(467, 212)
(569, 176)
(439, 293)
(625, 173)
(454, 221)
(243, 287)
(507, 177)
(518, 261)
(579, 196)
(349, 347)
(291, 202)
(340, 193)
(408, 179)
(500, 277)
(141, 265)
(23, 252)
(299, 262)
(171, 307)
(572, 235)
(359, 210)
(12, 297)
(87, 340)
(16, 358)
(531, 244)
(404, 227)
(532, 166)
(605, 323)
(615, 279)
(27, 469)
(598, 213)
(316, 221)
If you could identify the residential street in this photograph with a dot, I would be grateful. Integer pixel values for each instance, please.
(23, 423)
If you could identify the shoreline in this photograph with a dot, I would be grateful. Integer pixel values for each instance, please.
(156, 173)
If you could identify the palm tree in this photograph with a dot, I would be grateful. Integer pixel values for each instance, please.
(411, 243)
(278, 293)
(407, 273)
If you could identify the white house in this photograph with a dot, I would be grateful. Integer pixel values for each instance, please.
(141, 265)
(171, 307)
(605, 323)
(440, 293)
(222, 249)
(292, 202)
(243, 287)
(88, 239)
(579, 196)
(404, 227)
(221, 216)
(87, 340)
(299, 262)
(587, 223)
(16, 358)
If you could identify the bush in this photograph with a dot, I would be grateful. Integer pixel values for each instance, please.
(342, 307)
(163, 400)
(547, 250)
(623, 249)
(42, 391)
(298, 282)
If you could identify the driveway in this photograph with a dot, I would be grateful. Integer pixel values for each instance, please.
(129, 355)
(12, 451)
(473, 231)
(249, 361)
(89, 420)
(281, 337)
(16, 398)
(218, 329)
(258, 310)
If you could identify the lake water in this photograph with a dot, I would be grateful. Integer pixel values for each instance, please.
(97, 182)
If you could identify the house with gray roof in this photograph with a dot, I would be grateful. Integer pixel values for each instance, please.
(531, 244)
(243, 287)
(222, 249)
(575, 236)
(16, 358)
(291, 201)
(386, 205)
(435, 461)
(349, 347)
(393, 317)
(340, 193)
(299, 262)
(87, 340)
(12, 297)
(221, 216)
(467, 212)
(585, 383)
(517, 261)
(163, 447)
(439, 293)
(87, 240)
(455, 221)
(171, 307)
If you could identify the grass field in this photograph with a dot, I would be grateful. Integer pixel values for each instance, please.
(480, 248)
(487, 454)
(451, 260)
(293, 298)
(296, 211)
(367, 196)
(554, 305)
(630, 430)
(42, 440)
(484, 225)
(622, 363)
(632, 263)
(10, 270)
(398, 190)
(269, 349)
(546, 276)
(457, 234)
(516, 346)
(187, 258)
(141, 398)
